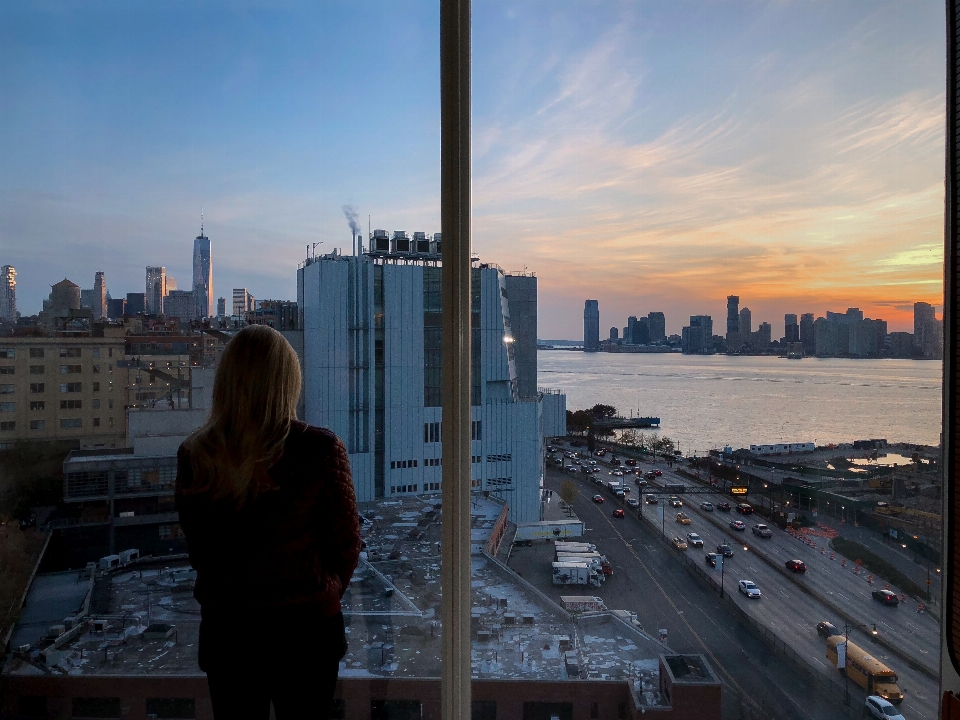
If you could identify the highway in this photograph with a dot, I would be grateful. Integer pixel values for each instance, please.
(786, 609)
(649, 581)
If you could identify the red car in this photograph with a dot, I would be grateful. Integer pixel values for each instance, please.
(598, 499)
(658, 473)
(796, 566)
(618, 513)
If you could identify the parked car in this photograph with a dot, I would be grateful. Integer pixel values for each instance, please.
(679, 543)
(618, 513)
(633, 502)
(762, 530)
(683, 519)
(887, 597)
(708, 506)
(695, 540)
(796, 566)
(748, 588)
(724, 506)
(598, 499)
(881, 709)
(745, 508)
(725, 550)
(738, 525)
(711, 559)
(826, 629)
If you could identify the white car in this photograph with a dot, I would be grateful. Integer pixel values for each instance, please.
(617, 473)
(879, 708)
(694, 539)
(748, 588)
(633, 502)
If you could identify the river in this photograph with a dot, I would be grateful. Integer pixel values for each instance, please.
(709, 401)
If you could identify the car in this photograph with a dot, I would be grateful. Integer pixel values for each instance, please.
(725, 550)
(683, 519)
(724, 506)
(679, 543)
(592, 463)
(652, 499)
(887, 597)
(827, 629)
(639, 482)
(738, 525)
(708, 506)
(745, 508)
(598, 499)
(626, 489)
(596, 481)
(631, 462)
(879, 708)
(797, 566)
(619, 493)
(658, 473)
(694, 539)
(650, 475)
(882, 503)
(711, 559)
(748, 588)
(633, 502)
(761, 530)
(675, 501)
(617, 473)
(618, 513)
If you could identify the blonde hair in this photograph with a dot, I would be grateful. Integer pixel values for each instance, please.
(255, 394)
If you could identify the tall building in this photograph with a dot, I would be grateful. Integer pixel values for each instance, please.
(221, 307)
(202, 276)
(99, 305)
(698, 336)
(791, 328)
(657, 326)
(8, 293)
(156, 289)
(764, 336)
(116, 308)
(591, 326)
(522, 295)
(927, 331)
(705, 322)
(136, 303)
(243, 302)
(614, 334)
(733, 314)
(807, 334)
(372, 342)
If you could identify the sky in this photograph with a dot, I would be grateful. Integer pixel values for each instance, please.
(655, 156)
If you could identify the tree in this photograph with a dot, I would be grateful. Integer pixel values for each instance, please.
(600, 411)
(569, 491)
(579, 422)
(663, 446)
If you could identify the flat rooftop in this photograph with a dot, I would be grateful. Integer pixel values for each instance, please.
(144, 620)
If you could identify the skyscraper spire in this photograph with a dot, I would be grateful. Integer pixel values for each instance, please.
(201, 221)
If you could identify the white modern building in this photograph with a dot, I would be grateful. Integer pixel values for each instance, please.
(371, 357)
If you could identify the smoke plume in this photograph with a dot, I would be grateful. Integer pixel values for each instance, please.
(350, 213)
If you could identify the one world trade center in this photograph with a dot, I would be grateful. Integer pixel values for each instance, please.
(202, 276)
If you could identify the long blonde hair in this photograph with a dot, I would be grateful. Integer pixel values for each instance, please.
(255, 394)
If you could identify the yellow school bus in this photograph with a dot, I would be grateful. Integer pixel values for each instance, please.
(866, 671)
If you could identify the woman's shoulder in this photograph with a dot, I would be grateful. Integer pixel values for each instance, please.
(310, 438)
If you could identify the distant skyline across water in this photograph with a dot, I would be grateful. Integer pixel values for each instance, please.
(710, 401)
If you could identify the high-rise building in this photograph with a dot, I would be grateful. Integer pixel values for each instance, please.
(202, 276)
(221, 307)
(927, 331)
(807, 334)
(136, 303)
(522, 295)
(8, 293)
(99, 304)
(705, 322)
(156, 289)
(614, 334)
(591, 326)
(243, 302)
(372, 341)
(657, 327)
(764, 336)
(791, 328)
(116, 308)
(733, 314)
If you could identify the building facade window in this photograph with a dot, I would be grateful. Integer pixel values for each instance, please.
(37, 369)
(71, 404)
(73, 387)
(37, 424)
(8, 407)
(7, 369)
(38, 405)
(36, 352)
(96, 404)
(95, 352)
(96, 367)
(7, 353)
(96, 387)
(36, 388)
(7, 389)
(71, 369)
(431, 432)
(71, 422)
(69, 352)
(96, 422)
(8, 426)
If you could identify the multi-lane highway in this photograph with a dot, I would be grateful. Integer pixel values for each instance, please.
(792, 605)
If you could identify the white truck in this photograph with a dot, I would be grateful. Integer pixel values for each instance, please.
(573, 546)
(596, 560)
(582, 603)
(578, 573)
(547, 530)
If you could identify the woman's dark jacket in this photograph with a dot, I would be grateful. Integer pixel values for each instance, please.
(293, 548)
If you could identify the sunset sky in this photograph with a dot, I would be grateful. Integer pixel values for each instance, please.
(651, 155)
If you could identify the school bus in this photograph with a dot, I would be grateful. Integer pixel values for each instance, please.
(866, 671)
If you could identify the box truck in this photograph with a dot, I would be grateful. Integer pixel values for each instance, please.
(547, 530)
(579, 573)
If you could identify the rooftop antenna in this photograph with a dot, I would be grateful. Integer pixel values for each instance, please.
(201, 221)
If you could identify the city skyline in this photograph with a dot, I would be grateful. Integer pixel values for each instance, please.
(792, 151)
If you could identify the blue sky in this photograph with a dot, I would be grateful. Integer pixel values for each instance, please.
(656, 156)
